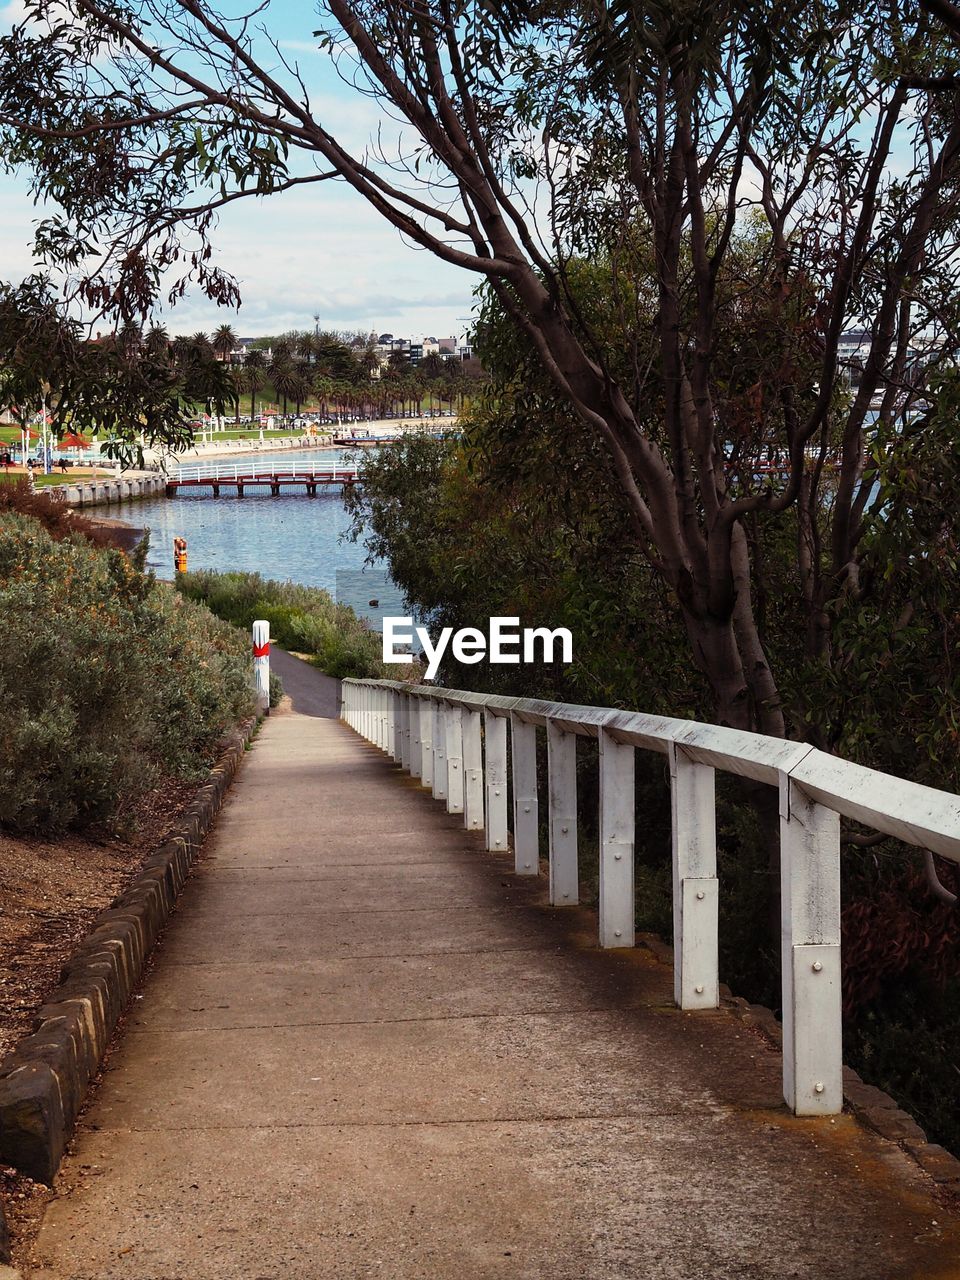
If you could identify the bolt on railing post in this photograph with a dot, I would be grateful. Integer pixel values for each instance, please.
(617, 836)
(526, 821)
(405, 730)
(696, 980)
(439, 751)
(426, 742)
(453, 742)
(472, 769)
(810, 953)
(562, 775)
(495, 744)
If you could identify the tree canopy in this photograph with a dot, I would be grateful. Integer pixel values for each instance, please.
(650, 135)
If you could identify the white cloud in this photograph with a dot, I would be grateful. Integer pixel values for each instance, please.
(321, 250)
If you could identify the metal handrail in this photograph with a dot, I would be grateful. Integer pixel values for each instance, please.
(254, 469)
(436, 733)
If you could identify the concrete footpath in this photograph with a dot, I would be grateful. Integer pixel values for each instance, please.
(367, 1050)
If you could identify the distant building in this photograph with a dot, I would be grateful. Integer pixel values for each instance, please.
(853, 348)
(239, 354)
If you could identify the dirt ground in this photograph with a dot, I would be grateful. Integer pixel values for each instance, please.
(50, 891)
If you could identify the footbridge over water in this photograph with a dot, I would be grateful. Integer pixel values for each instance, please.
(380, 1038)
(239, 477)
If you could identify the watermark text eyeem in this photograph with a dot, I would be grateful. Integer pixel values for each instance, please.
(506, 643)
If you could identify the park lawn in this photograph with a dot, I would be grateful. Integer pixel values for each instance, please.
(73, 476)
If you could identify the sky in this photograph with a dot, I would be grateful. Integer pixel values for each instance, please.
(311, 251)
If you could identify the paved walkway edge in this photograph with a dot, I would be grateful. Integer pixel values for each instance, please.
(44, 1081)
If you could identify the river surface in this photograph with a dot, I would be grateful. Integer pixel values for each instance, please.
(291, 537)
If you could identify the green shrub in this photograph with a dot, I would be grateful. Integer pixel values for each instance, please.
(107, 681)
(305, 619)
(276, 689)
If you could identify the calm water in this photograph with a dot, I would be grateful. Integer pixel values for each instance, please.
(291, 537)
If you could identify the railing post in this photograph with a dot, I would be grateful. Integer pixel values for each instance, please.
(413, 719)
(426, 742)
(562, 775)
(810, 953)
(453, 743)
(696, 980)
(405, 730)
(617, 836)
(395, 742)
(261, 664)
(472, 768)
(495, 743)
(439, 751)
(385, 736)
(526, 822)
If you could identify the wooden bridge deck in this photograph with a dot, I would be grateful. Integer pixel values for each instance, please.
(368, 1050)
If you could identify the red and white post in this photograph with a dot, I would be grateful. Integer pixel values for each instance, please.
(261, 664)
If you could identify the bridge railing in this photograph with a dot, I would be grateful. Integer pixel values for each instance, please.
(456, 743)
(253, 469)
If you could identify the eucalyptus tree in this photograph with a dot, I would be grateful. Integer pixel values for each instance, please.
(117, 387)
(650, 134)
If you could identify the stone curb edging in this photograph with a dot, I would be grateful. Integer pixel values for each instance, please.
(109, 491)
(44, 1081)
(872, 1107)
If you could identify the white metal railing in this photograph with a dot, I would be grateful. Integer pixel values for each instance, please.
(456, 743)
(252, 468)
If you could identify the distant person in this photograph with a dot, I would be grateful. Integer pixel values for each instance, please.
(6, 461)
(62, 464)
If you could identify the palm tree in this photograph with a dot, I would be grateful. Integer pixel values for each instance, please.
(306, 347)
(302, 382)
(157, 341)
(284, 379)
(180, 348)
(201, 345)
(254, 376)
(237, 382)
(130, 340)
(224, 342)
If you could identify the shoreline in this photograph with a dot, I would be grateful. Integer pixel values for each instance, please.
(129, 536)
(324, 440)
